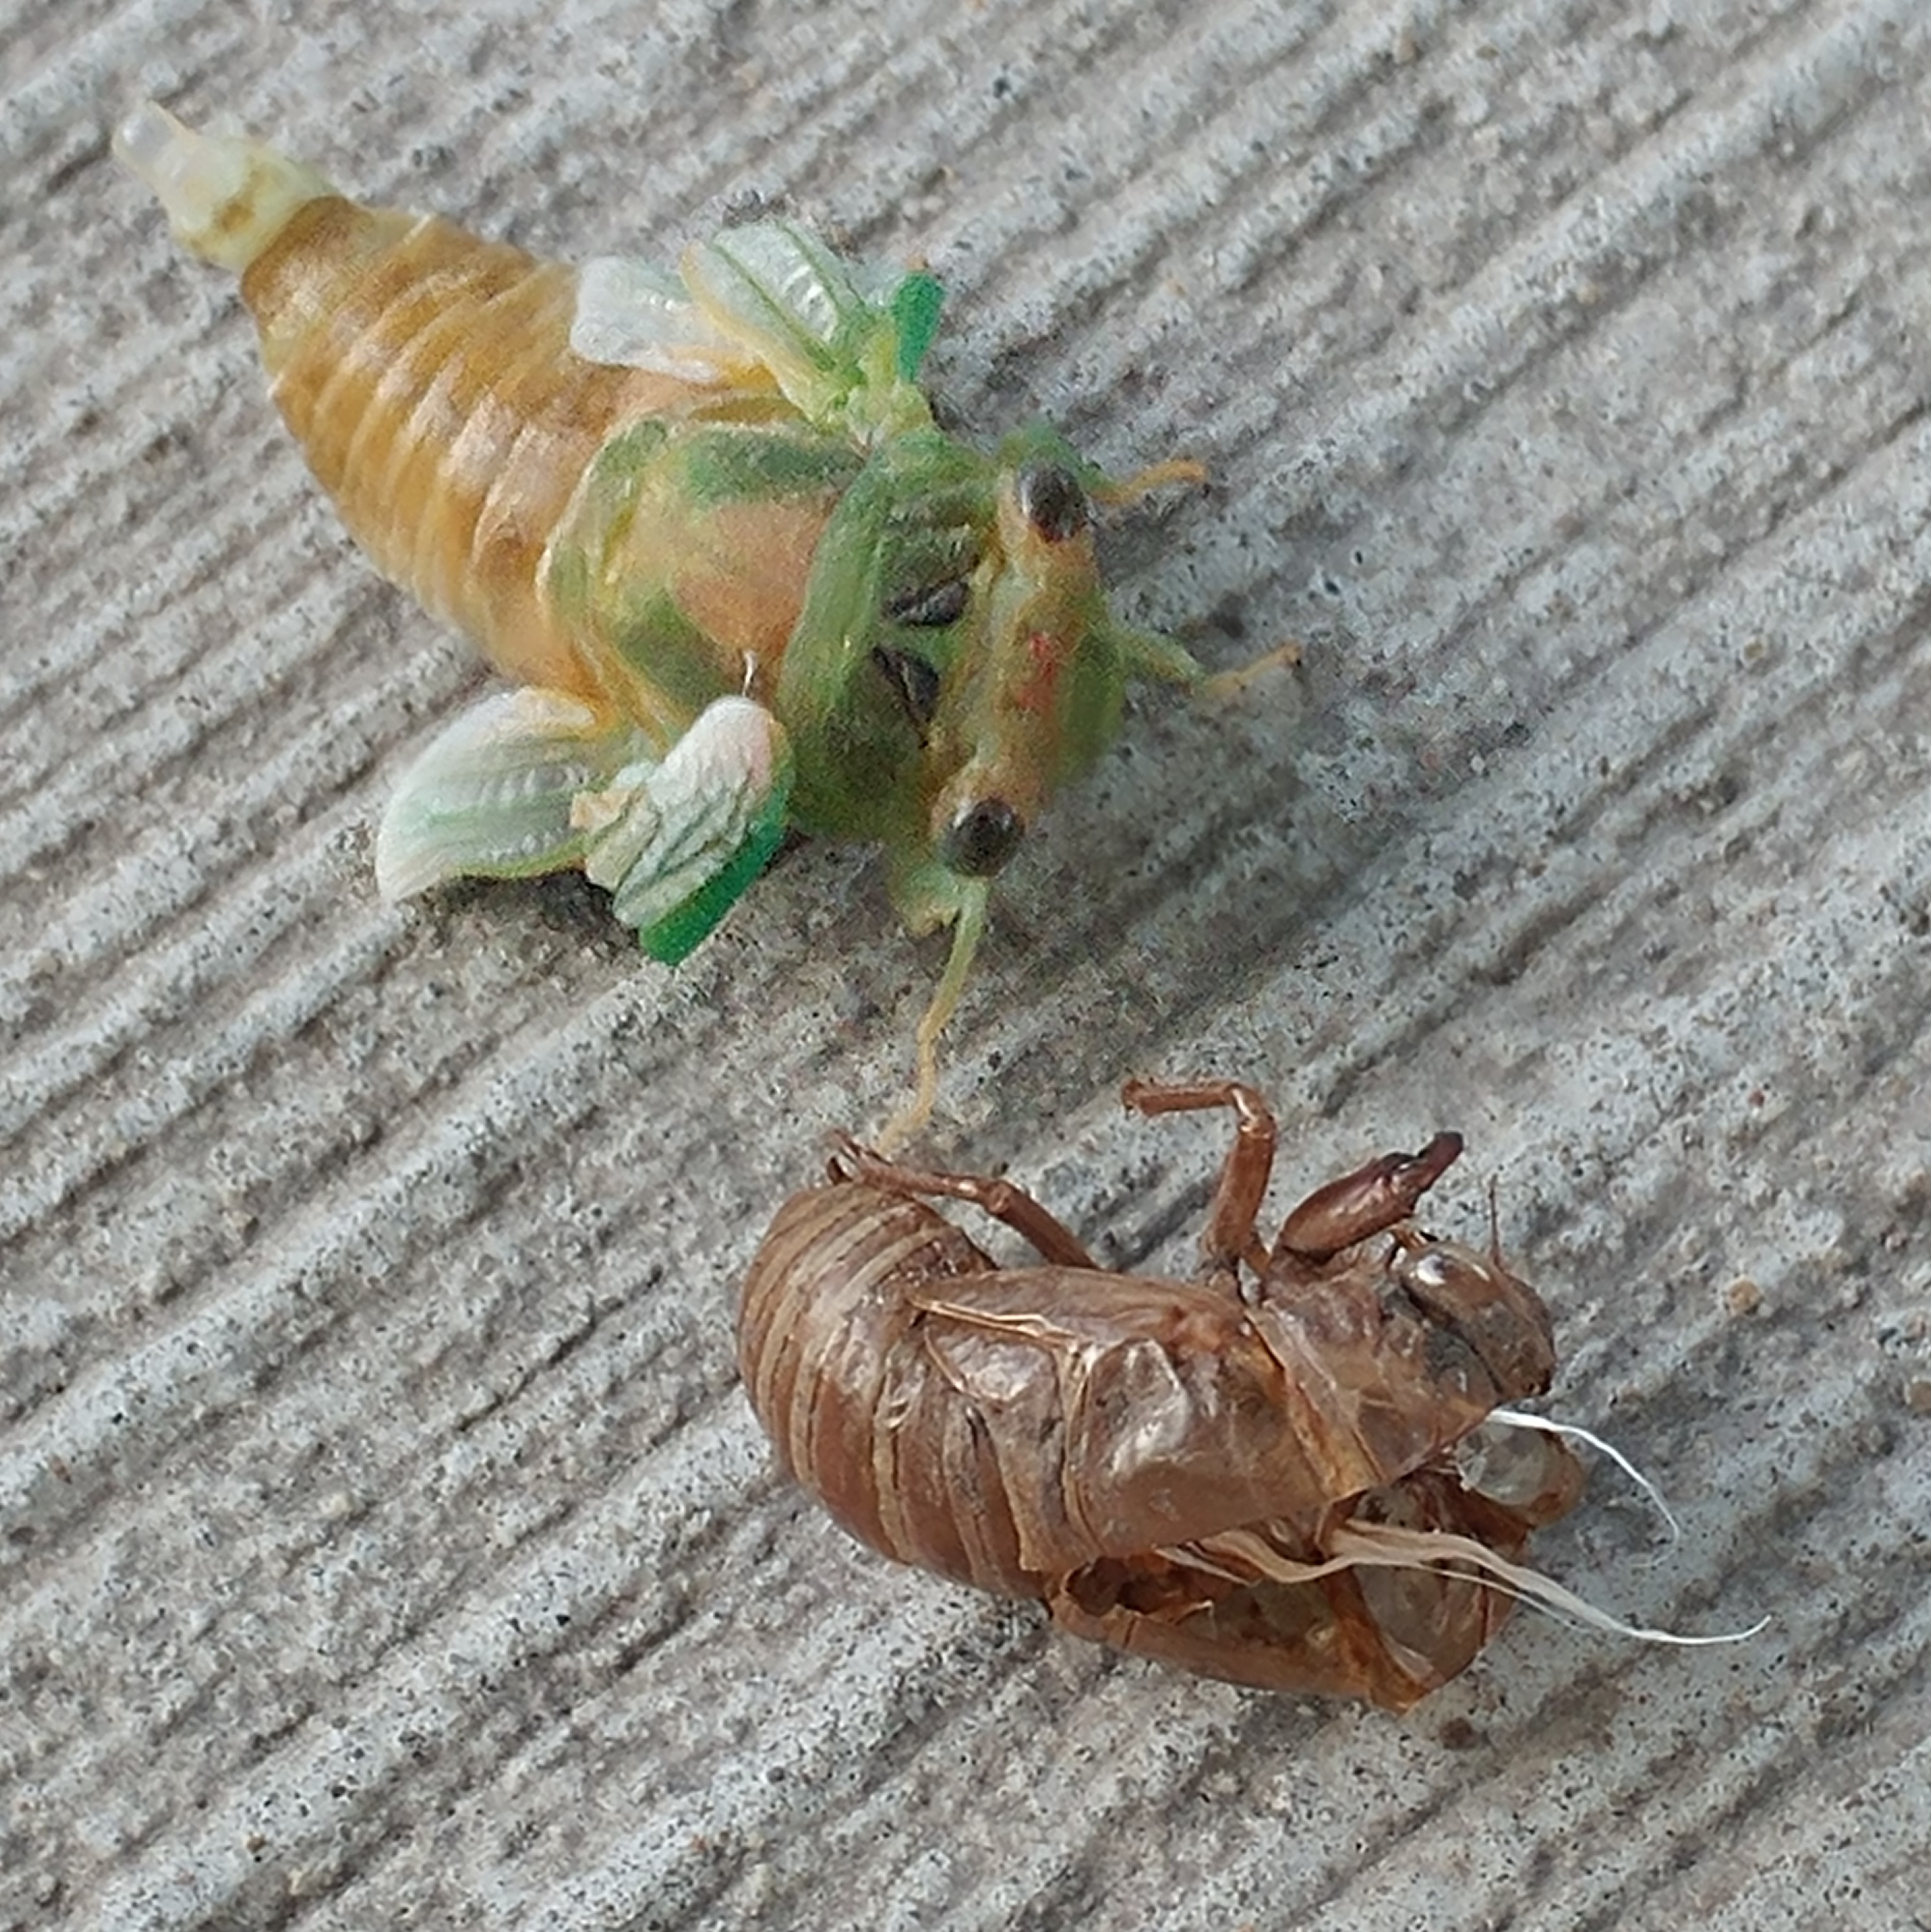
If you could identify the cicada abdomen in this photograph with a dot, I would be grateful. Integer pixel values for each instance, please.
(705, 526)
(1261, 1476)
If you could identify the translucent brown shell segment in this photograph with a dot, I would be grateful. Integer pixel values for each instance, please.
(1249, 1476)
(826, 1344)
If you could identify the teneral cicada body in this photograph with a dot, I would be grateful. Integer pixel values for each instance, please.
(1264, 1476)
(706, 527)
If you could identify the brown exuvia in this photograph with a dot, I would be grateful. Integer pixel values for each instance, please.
(1254, 1475)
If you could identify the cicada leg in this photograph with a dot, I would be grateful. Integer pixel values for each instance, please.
(1146, 654)
(1223, 685)
(1011, 1206)
(1229, 1238)
(1113, 492)
(1320, 1637)
(1365, 1203)
(927, 895)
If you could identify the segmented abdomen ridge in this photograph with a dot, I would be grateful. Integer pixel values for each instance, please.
(830, 1348)
(428, 377)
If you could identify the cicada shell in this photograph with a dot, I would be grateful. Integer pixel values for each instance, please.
(705, 525)
(1262, 1475)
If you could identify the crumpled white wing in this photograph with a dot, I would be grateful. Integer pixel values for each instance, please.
(630, 314)
(491, 796)
(661, 832)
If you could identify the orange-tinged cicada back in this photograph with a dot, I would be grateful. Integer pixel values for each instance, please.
(705, 526)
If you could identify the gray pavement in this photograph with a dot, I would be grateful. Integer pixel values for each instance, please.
(386, 1539)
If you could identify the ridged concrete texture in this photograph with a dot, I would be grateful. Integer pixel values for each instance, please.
(386, 1539)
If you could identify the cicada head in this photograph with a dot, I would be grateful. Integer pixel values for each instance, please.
(956, 662)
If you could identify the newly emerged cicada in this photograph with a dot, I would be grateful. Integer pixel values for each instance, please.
(706, 526)
(1300, 1472)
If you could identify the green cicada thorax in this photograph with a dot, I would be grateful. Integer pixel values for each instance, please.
(955, 661)
(1035, 693)
(882, 634)
(682, 567)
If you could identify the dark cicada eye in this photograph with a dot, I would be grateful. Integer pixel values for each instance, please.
(1051, 500)
(931, 608)
(915, 682)
(980, 840)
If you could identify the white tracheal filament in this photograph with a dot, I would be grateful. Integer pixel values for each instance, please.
(1245, 1556)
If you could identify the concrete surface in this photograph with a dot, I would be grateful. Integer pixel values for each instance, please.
(386, 1540)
